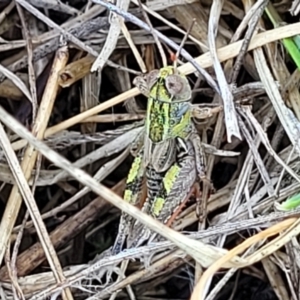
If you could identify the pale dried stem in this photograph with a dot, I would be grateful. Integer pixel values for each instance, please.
(231, 122)
(55, 5)
(157, 41)
(17, 81)
(6, 11)
(9, 90)
(114, 118)
(35, 255)
(29, 159)
(204, 60)
(28, 197)
(112, 37)
(31, 73)
(133, 47)
(275, 278)
(75, 71)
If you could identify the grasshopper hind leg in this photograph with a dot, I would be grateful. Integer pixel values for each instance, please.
(132, 195)
(154, 184)
(121, 237)
(176, 186)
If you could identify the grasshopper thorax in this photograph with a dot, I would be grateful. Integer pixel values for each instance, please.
(168, 110)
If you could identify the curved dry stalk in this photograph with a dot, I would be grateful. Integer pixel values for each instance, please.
(204, 60)
(17, 81)
(30, 156)
(260, 254)
(103, 172)
(204, 254)
(231, 121)
(65, 33)
(33, 209)
(112, 37)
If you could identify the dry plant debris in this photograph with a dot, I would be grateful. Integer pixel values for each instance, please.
(69, 114)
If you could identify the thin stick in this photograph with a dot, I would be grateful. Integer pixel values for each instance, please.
(158, 43)
(183, 42)
(66, 34)
(15, 199)
(129, 17)
(225, 53)
(31, 74)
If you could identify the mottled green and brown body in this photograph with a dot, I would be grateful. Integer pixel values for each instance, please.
(167, 153)
(168, 116)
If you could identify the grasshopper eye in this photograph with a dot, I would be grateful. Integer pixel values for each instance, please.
(151, 78)
(174, 84)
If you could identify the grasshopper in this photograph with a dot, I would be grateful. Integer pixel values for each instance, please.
(167, 153)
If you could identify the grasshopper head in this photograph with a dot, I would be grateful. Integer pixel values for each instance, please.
(174, 87)
(168, 111)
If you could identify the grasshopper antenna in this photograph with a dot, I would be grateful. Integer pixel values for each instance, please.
(183, 42)
(157, 41)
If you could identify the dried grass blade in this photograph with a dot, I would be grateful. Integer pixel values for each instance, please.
(31, 73)
(204, 60)
(102, 173)
(258, 255)
(253, 145)
(151, 10)
(17, 81)
(29, 159)
(251, 31)
(33, 210)
(231, 122)
(169, 42)
(275, 278)
(5, 12)
(56, 5)
(243, 25)
(267, 144)
(295, 8)
(202, 253)
(69, 24)
(111, 148)
(112, 37)
(133, 47)
(65, 33)
(157, 41)
(275, 97)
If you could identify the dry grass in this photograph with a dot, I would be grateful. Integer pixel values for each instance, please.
(69, 168)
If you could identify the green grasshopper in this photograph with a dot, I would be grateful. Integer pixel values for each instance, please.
(168, 153)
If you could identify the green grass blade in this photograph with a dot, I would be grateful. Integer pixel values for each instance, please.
(290, 204)
(292, 45)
